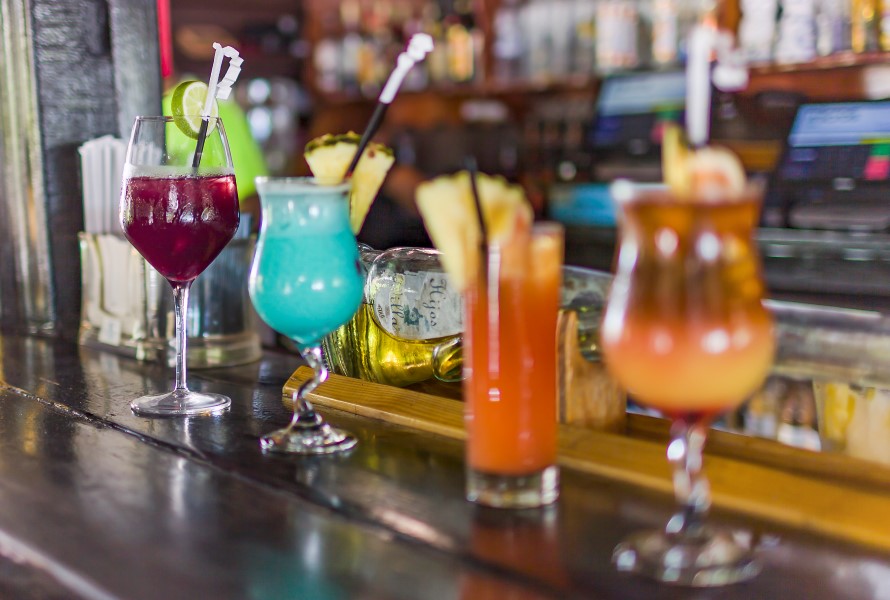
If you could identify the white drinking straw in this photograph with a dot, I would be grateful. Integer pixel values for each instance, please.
(730, 74)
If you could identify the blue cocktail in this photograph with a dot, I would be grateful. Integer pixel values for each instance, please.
(305, 281)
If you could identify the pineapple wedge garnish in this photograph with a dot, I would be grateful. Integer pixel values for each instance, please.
(710, 173)
(449, 215)
(716, 173)
(674, 158)
(329, 157)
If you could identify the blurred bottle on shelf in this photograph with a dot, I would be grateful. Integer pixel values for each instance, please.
(465, 43)
(833, 28)
(797, 32)
(437, 61)
(667, 24)
(665, 29)
(617, 42)
(362, 40)
(554, 143)
(508, 44)
(326, 59)
(574, 38)
(864, 25)
(584, 37)
(884, 26)
(757, 28)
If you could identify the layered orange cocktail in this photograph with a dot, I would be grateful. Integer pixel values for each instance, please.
(685, 331)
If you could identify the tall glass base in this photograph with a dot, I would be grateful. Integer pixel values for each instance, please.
(707, 558)
(513, 491)
(179, 404)
(308, 435)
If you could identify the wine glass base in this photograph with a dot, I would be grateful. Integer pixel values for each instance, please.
(191, 404)
(320, 439)
(712, 558)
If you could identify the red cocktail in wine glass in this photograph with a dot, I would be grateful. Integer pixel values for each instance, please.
(179, 217)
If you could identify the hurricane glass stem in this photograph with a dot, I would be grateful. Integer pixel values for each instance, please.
(691, 487)
(303, 409)
(307, 432)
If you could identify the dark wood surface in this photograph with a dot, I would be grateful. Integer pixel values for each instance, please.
(98, 503)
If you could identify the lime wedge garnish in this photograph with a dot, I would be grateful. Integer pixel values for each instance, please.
(186, 106)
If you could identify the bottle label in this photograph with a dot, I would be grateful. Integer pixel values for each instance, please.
(418, 306)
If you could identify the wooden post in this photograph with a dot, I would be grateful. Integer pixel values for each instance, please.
(587, 395)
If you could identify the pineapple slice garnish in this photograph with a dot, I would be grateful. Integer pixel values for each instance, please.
(329, 157)
(674, 157)
(449, 215)
(711, 173)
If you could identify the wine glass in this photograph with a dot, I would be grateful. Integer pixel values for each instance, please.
(685, 332)
(306, 280)
(179, 217)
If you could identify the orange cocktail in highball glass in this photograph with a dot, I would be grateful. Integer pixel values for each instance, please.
(510, 366)
(685, 332)
(509, 272)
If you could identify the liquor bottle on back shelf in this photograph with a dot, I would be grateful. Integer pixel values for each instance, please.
(464, 43)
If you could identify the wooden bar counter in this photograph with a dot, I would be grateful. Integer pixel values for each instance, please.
(98, 503)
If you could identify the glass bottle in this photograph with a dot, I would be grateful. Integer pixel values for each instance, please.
(409, 325)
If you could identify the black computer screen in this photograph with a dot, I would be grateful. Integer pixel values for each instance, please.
(632, 109)
(838, 140)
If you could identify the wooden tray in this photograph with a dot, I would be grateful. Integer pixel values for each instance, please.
(835, 506)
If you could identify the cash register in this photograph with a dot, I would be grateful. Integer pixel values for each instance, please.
(624, 140)
(834, 172)
(825, 224)
(631, 112)
(825, 234)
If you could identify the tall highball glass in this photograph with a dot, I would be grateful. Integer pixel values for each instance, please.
(685, 332)
(510, 366)
(179, 217)
(306, 280)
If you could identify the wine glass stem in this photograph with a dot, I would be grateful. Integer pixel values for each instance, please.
(180, 309)
(303, 409)
(691, 487)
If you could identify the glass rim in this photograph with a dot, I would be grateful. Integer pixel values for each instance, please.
(626, 191)
(305, 184)
(171, 119)
(547, 228)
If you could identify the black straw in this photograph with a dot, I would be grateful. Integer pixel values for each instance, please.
(370, 130)
(470, 162)
(473, 169)
(199, 148)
